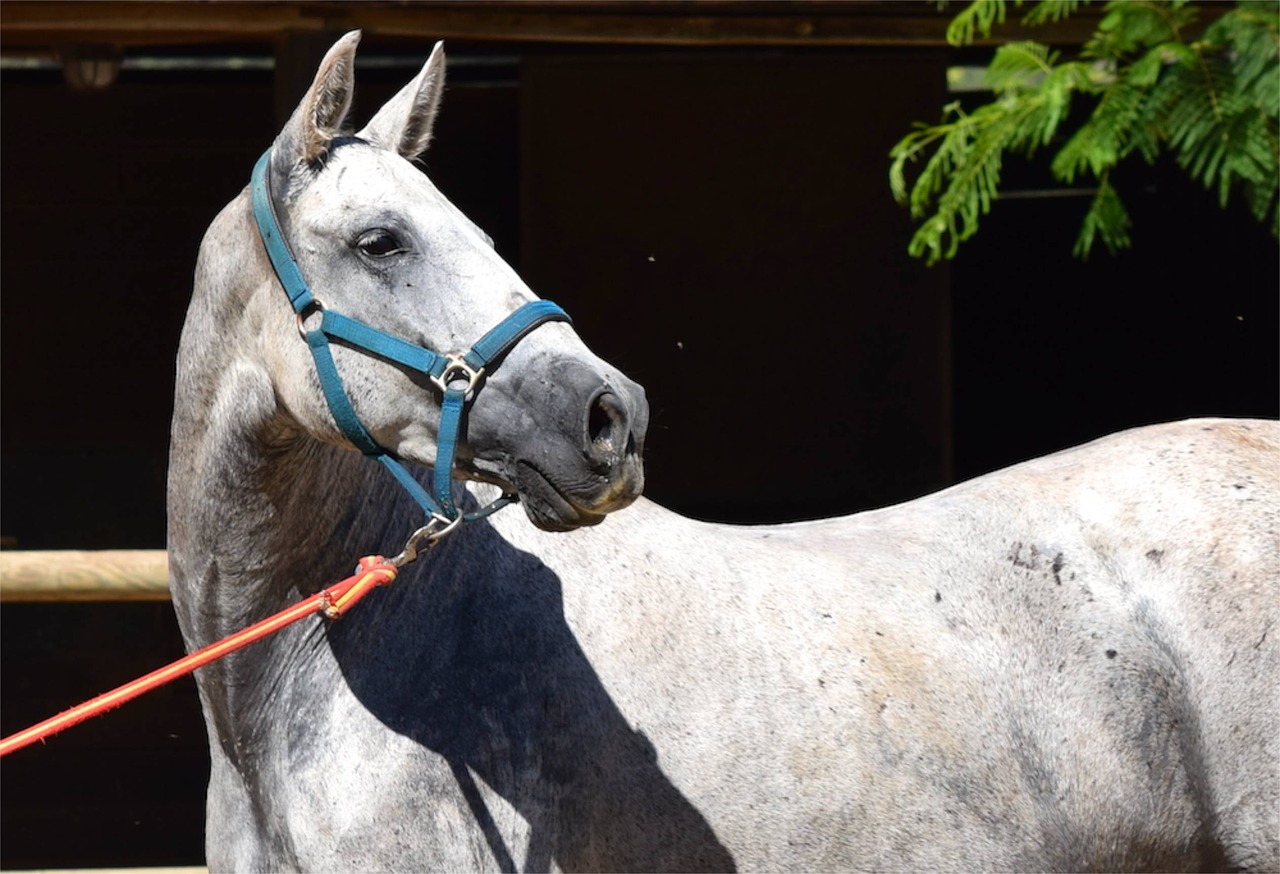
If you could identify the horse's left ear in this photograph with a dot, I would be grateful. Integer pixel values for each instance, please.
(319, 117)
(404, 123)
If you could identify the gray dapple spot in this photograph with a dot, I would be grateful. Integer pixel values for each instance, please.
(998, 676)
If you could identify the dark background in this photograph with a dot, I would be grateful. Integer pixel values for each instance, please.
(718, 223)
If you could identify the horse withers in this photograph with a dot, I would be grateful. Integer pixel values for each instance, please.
(1070, 664)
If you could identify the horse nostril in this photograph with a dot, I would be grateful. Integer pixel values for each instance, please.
(607, 426)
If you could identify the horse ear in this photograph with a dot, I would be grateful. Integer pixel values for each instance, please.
(319, 117)
(404, 123)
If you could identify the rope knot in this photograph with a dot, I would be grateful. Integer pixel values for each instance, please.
(371, 572)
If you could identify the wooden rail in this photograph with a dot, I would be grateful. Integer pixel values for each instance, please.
(79, 575)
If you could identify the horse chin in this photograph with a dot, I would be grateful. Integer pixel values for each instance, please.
(548, 506)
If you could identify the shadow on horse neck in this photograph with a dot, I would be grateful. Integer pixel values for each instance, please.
(472, 658)
(468, 655)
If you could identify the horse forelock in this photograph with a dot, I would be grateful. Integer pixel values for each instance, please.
(303, 174)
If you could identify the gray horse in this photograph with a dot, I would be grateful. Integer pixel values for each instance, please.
(1070, 664)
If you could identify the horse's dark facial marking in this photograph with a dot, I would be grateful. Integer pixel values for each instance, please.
(574, 449)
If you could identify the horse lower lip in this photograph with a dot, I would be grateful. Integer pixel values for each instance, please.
(549, 505)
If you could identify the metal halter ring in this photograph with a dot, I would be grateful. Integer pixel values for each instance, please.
(426, 537)
(315, 306)
(457, 369)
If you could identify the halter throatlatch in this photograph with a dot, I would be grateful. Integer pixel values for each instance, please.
(458, 376)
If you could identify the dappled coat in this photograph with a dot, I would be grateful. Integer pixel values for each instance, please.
(1071, 664)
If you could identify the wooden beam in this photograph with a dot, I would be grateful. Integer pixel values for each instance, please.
(36, 25)
(77, 575)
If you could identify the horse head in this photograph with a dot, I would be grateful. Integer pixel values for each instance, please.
(377, 242)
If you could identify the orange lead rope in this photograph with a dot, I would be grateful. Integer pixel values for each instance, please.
(335, 601)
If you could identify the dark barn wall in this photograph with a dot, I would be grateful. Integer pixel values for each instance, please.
(106, 196)
(126, 789)
(720, 225)
(797, 361)
(1051, 351)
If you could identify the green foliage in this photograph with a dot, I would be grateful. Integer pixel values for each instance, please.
(1210, 101)
(978, 17)
(1051, 11)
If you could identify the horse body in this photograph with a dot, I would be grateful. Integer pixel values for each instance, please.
(1047, 668)
(1069, 664)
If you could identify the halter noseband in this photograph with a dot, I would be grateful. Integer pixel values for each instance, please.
(458, 376)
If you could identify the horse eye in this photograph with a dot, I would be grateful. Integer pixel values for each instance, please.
(379, 243)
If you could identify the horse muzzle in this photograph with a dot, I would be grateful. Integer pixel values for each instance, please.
(576, 451)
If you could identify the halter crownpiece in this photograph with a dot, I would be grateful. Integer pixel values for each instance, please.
(458, 376)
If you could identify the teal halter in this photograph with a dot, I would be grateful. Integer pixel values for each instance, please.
(458, 376)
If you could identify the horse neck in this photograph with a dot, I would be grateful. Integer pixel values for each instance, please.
(259, 511)
(265, 516)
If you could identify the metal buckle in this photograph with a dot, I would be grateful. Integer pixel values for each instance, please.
(314, 307)
(457, 369)
(425, 538)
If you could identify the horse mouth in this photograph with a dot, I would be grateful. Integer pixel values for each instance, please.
(552, 507)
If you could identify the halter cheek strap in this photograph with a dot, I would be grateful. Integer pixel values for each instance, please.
(458, 377)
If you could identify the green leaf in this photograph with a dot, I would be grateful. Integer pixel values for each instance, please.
(1018, 66)
(1107, 220)
(1212, 104)
(978, 17)
(1052, 11)
(1108, 135)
